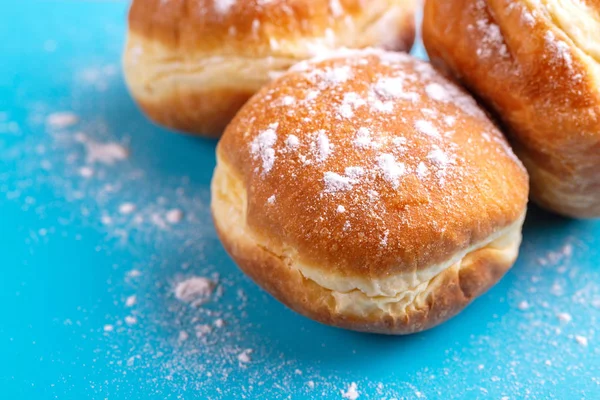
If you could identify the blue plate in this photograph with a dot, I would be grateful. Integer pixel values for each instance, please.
(102, 217)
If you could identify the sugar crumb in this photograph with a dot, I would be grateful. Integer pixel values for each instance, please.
(351, 393)
(244, 356)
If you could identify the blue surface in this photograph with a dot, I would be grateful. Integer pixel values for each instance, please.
(66, 270)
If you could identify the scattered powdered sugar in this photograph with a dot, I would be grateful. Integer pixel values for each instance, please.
(131, 300)
(262, 147)
(582, 340)
(336, 183)
(427, 128)
(351, 393)
(422, 170)
(492, 41)
(364, 139)
(61, 120)
(105, 153)
(174, 216)
(393, 88)
(321, 146)
(436, 92)
(336, 8)
(559, 48)
(194, 289)
(564, 317)
(127, 208)
(350, 103)
(220, 323)
(391, 169)
(438, 157)
(338, 75)
(223, 6)
(292, 142)
(244, 356)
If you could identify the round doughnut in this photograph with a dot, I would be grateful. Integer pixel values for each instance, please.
(536, 64)
(368, 192)
(191, 64)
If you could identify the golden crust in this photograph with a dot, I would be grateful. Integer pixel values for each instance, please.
(187, 109)
(179, 52)
(540, 72)
(381, 177)
(250, 27)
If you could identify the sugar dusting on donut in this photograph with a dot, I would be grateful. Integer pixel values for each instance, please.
(382, 96)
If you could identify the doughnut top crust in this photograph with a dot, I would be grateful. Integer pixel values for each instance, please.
(371, 163)
(278, 28)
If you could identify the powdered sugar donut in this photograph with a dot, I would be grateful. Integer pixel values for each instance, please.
(367, 191)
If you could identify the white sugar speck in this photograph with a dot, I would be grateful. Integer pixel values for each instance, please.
(393, 88)
(564, 317)
(364, 140)
(322, 147)
(271, 200)
(108, 328)
(130, 301)
(219, 323)
(391, 169)
(336, 183)
(262, 147)
(223, 6)
(61, 120)
(183, 336)
(130, 320)
(336, 8)
(134, 273)
(202, 330)
(104, 153)
(174, 216)
(193, 289)
(292, 142)
(86, 172)
(582, 340)
(427, 128)
(341, 209)
(438, 157)
(437, 92)
(524, 305)
(288, 101)
(351, 393)
(422, 170)
(244, 356)
(127, 208)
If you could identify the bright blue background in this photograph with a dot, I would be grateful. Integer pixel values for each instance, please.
(64, 275)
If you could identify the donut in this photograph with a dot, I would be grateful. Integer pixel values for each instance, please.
(366, 191)
(191, 64)
(536, 65)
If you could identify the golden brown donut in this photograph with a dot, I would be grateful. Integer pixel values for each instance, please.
(191, 64)
(368, 192)
(536, 63)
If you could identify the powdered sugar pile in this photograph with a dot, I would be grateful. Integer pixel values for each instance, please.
(195, 290)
